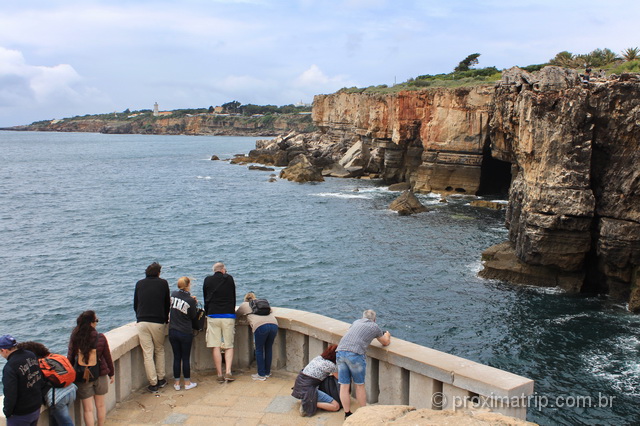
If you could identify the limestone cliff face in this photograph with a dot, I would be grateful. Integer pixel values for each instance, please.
(569, 153)
(432, 139)
(205, 124)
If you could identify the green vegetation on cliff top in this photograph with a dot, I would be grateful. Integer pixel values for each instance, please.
(264, 114)
(464, 75)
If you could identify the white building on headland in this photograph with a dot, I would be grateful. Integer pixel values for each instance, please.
(155, 109)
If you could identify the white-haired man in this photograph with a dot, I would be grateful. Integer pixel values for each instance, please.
(220, 305)
(352, 360)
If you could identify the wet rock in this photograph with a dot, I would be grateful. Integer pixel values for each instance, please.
(302, 170)
(407, 204)
(488, 204)
(402, 186)
(214, 158)
(261, 168)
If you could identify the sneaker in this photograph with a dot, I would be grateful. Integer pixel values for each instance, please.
(258, 377)
(190, 386)
(177, 386)
(162, 383)
(302, 412)
(347, 414)
(152, 388)
(220, 379)
(228, 377)
(268, 375)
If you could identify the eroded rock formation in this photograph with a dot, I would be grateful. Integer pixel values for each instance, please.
(566, 152)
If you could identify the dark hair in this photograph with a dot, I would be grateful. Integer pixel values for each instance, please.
(153, 270)
(330, 353)
(38, 349)
(82, 336)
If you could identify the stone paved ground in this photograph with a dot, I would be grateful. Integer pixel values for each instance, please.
(242, 402)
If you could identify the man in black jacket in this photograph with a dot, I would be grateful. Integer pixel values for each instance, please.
(220, 304)
(151, 302)
(22, 382)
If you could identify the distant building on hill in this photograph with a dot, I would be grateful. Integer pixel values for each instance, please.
(155, 110)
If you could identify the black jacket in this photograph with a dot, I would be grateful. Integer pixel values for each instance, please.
(23, 384)
(183, 311)
(219, 294)
(151, 300)
(304, 389)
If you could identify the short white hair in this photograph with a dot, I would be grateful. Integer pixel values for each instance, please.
(369, 314)
(217, 267)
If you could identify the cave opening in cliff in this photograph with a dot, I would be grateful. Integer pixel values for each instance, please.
(495, 177)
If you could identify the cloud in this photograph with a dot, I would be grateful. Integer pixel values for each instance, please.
(314, 79)
(37, 87)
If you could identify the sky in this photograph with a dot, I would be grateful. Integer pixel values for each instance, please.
(66, 58)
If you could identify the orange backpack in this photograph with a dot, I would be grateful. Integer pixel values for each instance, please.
(58, 370)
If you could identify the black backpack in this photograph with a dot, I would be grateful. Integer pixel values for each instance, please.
(260, 307)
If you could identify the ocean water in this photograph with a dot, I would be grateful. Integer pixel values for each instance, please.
(82, 215)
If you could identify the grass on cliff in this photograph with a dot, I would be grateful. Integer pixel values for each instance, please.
(469, 78)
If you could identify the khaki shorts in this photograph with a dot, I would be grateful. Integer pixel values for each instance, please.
(220, 330)
(89, 389)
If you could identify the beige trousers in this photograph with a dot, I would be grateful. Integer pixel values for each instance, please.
(152, 337)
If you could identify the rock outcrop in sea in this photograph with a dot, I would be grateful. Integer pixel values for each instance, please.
(567, 153)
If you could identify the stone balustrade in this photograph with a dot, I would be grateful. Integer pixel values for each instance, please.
(401, 373)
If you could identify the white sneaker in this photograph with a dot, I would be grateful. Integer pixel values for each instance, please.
(190, 386)
(258, 377)
(176, 387)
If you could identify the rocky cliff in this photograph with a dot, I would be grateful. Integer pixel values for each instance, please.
(202, 124)
(566, 153)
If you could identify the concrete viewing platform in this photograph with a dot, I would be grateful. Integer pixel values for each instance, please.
(402, 377)
(242, 402)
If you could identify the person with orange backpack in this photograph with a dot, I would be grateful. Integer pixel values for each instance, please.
(59, 391)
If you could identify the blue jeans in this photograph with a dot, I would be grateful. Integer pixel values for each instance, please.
(59, 414)
(264, 337)
(351, 366)
(181, 345)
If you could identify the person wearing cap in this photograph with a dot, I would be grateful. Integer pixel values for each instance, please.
(22, 382)
(151, 302)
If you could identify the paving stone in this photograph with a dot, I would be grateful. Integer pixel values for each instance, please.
(282, 404)
(175, 419)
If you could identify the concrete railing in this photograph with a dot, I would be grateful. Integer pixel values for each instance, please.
(401, 373)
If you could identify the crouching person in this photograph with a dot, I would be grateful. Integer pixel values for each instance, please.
(316, 385)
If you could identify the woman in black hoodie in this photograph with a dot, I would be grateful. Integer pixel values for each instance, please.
(183, 311)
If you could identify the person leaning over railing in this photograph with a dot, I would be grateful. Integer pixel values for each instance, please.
(352, 360)
(265, 328)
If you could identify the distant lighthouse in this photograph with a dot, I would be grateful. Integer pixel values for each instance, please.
(155, 110)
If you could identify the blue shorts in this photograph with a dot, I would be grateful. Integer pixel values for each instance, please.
(323, 397)
(351, 366)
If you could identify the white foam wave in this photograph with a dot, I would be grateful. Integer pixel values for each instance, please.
(343, 195)
(204, 177)
(475, 267)
(621, 371)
